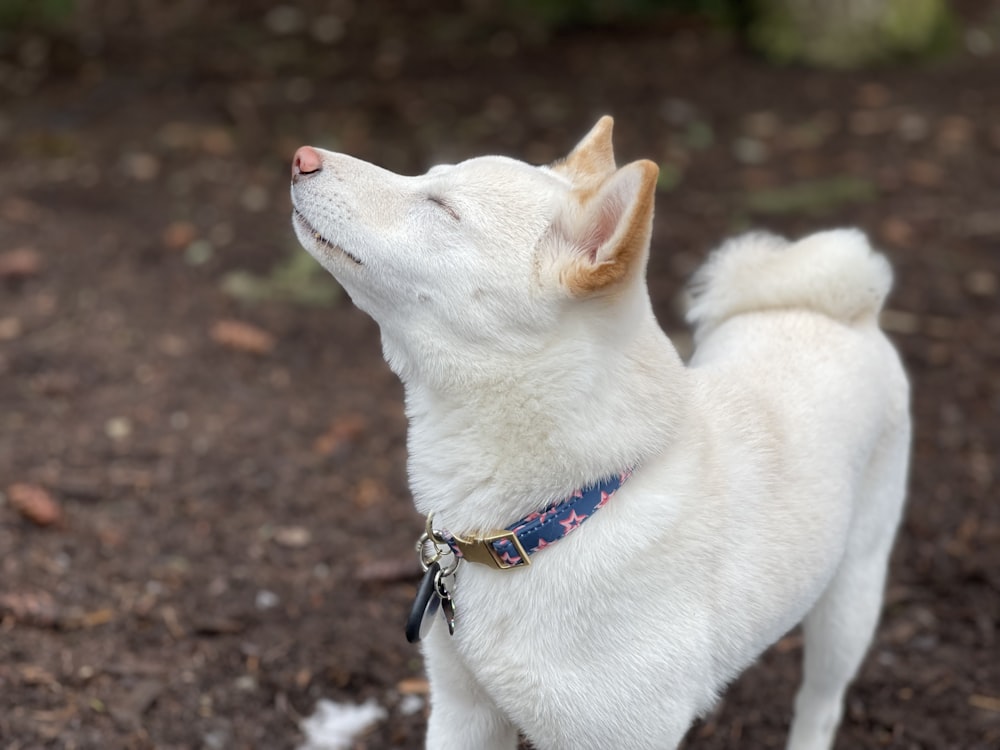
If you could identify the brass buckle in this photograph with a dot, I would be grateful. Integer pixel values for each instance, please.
(481, 550)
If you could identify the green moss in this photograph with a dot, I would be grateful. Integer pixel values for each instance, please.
(849, 34)
(815, 198)
(298, 279)
(16, 13)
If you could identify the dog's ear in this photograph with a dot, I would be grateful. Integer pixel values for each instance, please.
(593, 158)
(610, 235)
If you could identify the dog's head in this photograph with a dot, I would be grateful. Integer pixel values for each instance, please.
(474, 266)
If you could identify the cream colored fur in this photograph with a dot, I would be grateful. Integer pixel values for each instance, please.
(770, 471)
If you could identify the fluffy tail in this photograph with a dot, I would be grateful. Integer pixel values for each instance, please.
(835, 273)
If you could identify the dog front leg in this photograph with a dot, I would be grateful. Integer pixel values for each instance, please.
(462, 715)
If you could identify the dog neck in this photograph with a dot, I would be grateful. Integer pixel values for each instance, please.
(482, 456)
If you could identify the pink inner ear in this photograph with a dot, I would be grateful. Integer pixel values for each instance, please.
(601, 226)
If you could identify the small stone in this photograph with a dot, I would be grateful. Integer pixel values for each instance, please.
(142, 167)
(750, 151)
(981, 283)
(217, 739)
(411, 704)
(979, 42)
(118, 428)
(913, 127)
(198, 253)
(293, 537)
(266, 600)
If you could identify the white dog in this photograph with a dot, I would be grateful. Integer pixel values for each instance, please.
(761, 485)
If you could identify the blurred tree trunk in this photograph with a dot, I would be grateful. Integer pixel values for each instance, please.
(849, 33)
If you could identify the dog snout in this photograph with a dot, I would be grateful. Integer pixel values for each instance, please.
(307, 161)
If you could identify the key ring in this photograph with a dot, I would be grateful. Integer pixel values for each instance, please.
(432, 547)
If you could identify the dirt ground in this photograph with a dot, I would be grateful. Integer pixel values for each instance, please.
(204, 518)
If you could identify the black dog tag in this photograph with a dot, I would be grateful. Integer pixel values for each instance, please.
(425, 606)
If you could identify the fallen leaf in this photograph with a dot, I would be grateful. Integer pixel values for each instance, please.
(179, 234)
(29, 607)
(898, 232)
(413, 686)
(243, 337)
(35, 504)
(98, 617)
(32, 674)
(985, 702)
(344, 429)
(369, 492)
(22, 263)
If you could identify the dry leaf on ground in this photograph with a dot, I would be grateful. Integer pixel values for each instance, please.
(343, 430)
(35, 504)
(243, 337)
(22, 263)
(30, 607)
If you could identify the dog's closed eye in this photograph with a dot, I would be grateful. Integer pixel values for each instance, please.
(445, 205)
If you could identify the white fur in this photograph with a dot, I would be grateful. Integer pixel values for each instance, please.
(770, 472)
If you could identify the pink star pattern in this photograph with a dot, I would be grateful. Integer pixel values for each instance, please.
(572, 521)
(544, 528)
(511, 558)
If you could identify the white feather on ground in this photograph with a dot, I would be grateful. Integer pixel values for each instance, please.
(334, 726)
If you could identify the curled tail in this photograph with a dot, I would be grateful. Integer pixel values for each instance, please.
(835, 273)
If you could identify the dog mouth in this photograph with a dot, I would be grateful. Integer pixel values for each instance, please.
(320, 239)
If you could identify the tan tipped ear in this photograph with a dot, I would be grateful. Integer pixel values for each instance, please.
(593, 158)
(611, 239)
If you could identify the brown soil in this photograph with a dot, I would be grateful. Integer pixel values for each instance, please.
(204, 520)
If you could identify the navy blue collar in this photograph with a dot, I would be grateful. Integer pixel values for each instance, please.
(513, 547)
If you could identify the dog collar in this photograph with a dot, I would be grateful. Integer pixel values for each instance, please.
(513, 547)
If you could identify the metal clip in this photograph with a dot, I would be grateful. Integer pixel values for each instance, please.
(432, 547)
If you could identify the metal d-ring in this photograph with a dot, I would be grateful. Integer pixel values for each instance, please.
(440, 548)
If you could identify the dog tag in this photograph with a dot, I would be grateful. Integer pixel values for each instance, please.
(447, 603)
(425, 606)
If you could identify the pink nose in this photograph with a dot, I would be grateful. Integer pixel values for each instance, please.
(307, 160)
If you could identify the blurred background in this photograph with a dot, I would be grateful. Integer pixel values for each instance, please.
(205, 526)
